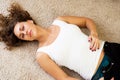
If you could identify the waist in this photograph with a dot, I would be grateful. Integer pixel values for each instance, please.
(104, 67)
(100, 60)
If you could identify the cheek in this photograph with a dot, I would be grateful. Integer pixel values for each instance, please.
(28, 38)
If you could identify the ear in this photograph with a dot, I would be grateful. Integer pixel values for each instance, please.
(31, 21)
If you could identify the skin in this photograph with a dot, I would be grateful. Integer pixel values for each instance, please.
(29, 31)
(25, 30)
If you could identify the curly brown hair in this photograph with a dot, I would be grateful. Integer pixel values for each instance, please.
(7, 24)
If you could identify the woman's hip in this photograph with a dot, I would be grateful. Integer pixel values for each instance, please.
(110, 64)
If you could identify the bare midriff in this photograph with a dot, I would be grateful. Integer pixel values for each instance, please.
(100, 60)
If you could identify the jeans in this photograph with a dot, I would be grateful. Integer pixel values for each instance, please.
(110, 65)
(112, 50)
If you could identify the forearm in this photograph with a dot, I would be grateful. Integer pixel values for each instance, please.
(51, 68)
(91, 26)
(85, 22)
(81, 22)
(93, 37)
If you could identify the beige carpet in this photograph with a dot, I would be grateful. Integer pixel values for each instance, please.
(20, 64)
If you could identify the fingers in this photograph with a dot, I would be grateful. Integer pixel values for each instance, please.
(90, 38)
(94, 43)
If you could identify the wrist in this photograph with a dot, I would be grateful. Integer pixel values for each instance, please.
(94, 33)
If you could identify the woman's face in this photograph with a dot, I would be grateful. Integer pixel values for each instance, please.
(25, 30)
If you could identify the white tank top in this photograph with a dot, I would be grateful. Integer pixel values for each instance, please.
(71, 49)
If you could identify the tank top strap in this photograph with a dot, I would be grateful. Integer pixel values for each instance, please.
(59, 23)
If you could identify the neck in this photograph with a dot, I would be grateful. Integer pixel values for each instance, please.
(42, 34)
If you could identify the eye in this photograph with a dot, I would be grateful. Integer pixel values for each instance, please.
(22, 28)
(22, 35)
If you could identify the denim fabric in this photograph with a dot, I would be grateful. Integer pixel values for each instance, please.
(112, 50)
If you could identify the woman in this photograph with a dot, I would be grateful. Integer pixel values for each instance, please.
(63, 44)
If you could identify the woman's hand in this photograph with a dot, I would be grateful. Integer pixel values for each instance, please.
(94, 41)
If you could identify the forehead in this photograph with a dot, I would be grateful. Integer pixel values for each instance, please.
(16, 28)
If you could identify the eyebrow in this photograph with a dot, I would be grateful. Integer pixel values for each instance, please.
(20, 29)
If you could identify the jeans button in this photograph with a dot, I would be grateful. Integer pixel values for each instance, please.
(103, 71)
(106, 45)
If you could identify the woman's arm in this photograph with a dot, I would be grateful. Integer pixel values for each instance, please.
(84, 22)
(50, 67)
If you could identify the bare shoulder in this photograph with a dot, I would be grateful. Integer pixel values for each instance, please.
(42, 56)
(62, 18)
